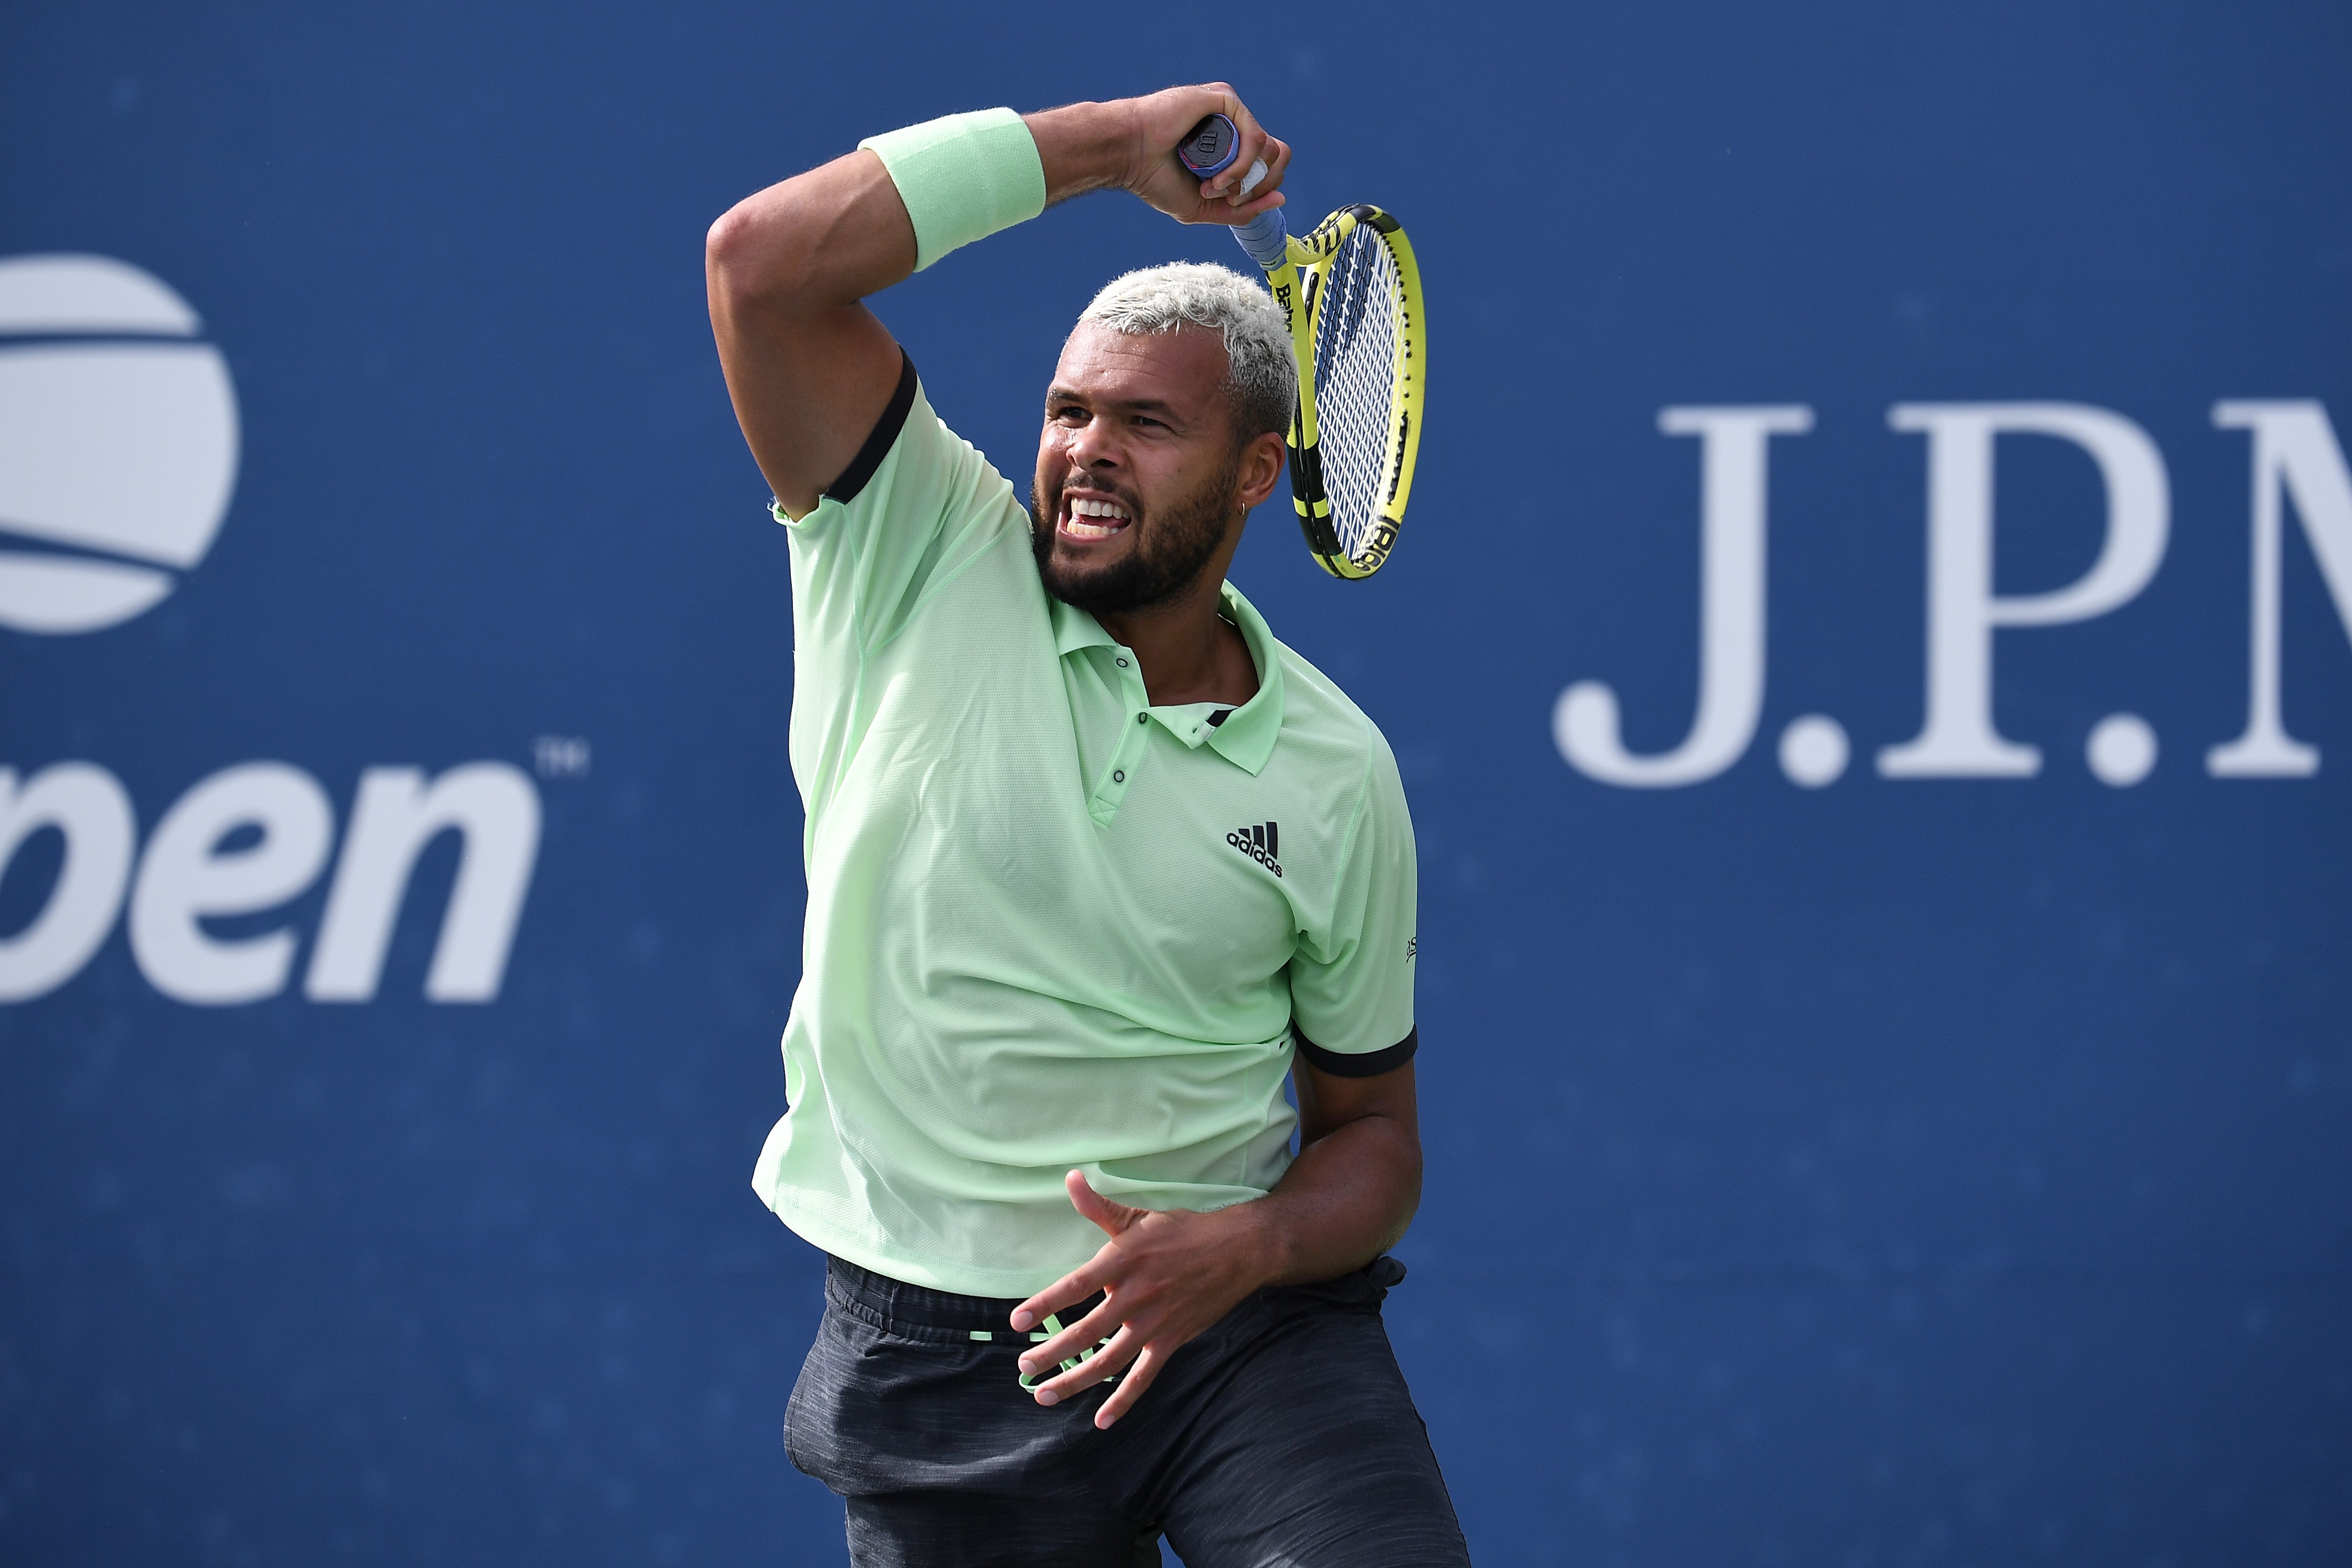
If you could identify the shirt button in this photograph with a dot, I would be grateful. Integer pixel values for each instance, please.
(1119, 775)
(1143, 718)
(1122, 664)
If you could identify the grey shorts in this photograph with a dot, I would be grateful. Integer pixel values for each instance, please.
(1283, 1435)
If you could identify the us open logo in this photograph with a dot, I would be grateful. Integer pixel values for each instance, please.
(118, 442)
(117, 453)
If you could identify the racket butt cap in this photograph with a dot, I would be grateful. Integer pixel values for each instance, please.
(1210, 148)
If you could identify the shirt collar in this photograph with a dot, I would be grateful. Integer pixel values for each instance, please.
(1246, 738)
(1075, 629)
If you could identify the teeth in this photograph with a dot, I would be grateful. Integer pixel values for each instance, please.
(1113, 517)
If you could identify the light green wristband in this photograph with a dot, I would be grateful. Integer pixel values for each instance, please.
(963, 177)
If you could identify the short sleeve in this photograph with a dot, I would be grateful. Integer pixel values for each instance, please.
(1351, 983)
(911, 509)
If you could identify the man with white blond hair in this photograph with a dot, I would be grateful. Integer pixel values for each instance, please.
(1095, 864)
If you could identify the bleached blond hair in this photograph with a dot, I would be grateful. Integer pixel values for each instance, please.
(1261, 376)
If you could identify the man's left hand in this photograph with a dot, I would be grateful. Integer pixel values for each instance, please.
(1166, 1276)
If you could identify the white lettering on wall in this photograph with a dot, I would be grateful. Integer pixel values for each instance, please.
(184, 875)
(2296, 453)
(87, 806)
(1958, 739)
(198, 865)
(496, 809)
(1585, 722)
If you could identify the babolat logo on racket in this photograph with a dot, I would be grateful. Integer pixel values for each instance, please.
(1261, 842)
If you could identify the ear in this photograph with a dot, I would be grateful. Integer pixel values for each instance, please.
(1261, 469)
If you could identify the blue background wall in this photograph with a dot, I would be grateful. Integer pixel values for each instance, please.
(1896, 1173)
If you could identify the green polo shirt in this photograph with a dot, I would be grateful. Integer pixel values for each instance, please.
(1051, 926)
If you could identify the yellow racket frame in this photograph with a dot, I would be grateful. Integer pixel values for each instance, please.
(1297, 285)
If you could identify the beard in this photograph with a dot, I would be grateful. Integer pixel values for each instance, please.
(1173, 545)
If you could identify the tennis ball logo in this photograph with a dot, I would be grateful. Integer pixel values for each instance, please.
(118, 442)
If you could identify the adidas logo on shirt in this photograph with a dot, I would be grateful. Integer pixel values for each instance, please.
(1260, 843)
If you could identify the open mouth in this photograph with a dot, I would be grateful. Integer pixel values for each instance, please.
(1092, 516)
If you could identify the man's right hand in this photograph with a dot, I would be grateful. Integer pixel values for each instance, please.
(1159, 123)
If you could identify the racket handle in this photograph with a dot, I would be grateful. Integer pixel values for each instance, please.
(1266, 239)
(1208, 150)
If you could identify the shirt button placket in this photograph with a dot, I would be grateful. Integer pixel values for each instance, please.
(1132, 745)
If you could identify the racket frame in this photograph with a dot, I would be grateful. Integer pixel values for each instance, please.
(1296, 286)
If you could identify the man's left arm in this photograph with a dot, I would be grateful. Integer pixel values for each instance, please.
(1169, 1275)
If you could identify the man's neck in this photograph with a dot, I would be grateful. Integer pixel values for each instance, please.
(1186, 651)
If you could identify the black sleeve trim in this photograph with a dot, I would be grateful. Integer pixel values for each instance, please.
(878, 444)
(1363, 1064)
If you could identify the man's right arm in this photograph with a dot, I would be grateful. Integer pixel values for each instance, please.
(811, 369)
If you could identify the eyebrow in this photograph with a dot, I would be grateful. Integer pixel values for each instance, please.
(1060, 393)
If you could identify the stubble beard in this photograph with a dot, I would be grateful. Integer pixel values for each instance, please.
(1174, 546)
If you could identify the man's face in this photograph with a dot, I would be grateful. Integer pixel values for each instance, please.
(1136, 469)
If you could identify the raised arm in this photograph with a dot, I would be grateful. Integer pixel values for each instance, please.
(811, 369)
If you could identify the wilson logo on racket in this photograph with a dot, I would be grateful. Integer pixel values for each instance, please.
(1261, 842)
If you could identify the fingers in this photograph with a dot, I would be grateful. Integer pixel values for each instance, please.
(1103, 1364)
(1255, 147)
(1256, 169)
(1085, 1335)
(1276, 154)
(1252, 150)
(1130, 1387)
(1111, 1217)
(1257, 192)
(1099, 1271)
(1236, 217)
(1072, 1288)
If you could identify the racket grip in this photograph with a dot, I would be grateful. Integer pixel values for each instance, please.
(1266, 239)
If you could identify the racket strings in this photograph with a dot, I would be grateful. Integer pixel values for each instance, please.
(1356, 331)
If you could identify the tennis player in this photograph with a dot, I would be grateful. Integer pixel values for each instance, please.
(1093, 862)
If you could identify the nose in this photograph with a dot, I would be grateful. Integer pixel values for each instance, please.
(1093, 446)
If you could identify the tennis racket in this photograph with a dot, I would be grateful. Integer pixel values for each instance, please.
(1351, 292)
